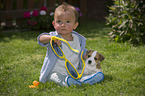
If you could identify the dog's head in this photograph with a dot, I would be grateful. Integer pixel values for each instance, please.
(93, 57)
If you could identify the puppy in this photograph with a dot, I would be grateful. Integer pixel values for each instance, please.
(93, 59)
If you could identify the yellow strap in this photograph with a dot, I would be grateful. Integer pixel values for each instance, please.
(54, 37)
(79, 75)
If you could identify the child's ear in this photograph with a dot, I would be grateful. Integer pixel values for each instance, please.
(53, 23)
(76, 25)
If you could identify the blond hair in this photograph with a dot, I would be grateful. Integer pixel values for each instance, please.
(67, 7)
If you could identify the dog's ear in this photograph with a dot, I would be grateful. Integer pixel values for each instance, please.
(98, 66)
(101, 57)
(88, 51)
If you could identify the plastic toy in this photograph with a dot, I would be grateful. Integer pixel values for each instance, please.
(35, 84)
(68, 65)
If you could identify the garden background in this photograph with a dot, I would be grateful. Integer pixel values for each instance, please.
(21, 57)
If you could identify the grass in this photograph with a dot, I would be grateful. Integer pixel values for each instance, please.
(21, 59)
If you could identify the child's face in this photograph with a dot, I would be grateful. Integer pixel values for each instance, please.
(64, 23)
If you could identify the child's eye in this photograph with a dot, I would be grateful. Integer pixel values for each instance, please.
(89, 56)
(67, 21)
(58, 21)
(95, 58)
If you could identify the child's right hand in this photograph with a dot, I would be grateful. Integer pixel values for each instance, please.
(58, 42)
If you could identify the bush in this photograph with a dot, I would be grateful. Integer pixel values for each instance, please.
(38, 19)
(127, 19)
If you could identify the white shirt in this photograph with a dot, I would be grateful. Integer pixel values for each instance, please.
(73, 57)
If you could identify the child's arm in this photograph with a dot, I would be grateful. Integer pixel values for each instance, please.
(46, 39)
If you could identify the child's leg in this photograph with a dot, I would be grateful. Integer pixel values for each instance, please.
(70, 81)
(57, 78)
(63, 80)
(93, 78)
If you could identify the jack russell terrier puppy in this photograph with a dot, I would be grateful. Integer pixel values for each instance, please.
(92, 61)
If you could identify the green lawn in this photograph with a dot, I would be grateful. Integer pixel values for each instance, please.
(21, 59)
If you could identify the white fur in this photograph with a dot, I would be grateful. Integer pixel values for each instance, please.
(91, 68)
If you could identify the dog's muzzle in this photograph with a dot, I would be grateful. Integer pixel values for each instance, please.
(89, 62)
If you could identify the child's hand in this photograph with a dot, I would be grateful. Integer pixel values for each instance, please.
(58, 42)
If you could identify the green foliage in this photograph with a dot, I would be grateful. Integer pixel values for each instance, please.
(127, 18)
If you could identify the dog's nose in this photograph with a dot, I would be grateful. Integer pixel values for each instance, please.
(89, 61)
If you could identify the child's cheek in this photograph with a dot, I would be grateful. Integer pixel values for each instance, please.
(57, 27)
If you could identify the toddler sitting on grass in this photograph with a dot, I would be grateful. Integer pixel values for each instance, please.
(53, 69)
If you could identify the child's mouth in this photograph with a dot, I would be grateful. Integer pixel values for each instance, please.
(63, 29)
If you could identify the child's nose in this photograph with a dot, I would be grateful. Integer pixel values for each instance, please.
(63, 24)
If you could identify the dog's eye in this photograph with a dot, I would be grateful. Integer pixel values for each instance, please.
(89, 56)
(95, 58)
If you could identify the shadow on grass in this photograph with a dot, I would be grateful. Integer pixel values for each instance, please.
(108, 78)
(7, 36)
(93, 29)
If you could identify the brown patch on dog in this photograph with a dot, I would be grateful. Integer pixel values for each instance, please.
(87, 53)
(100, 58)
(98, 66)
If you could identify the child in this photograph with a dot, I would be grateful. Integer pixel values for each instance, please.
(53, 69)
